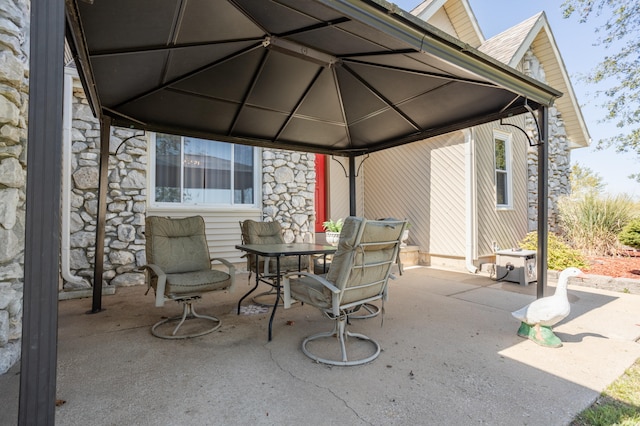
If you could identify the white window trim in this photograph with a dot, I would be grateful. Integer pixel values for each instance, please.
(151, 185)
(508, 141)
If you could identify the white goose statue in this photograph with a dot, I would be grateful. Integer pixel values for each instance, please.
(538, 316)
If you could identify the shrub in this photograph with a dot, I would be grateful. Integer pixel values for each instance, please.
(592, 223)
(559, 256)
(630, 234)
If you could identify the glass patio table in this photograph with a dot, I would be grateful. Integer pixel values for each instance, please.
(277, 251)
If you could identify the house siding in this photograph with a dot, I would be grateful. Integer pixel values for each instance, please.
(423, 182)
(505, 227)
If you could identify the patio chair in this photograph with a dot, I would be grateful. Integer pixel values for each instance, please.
(179, 268)
(358, 274)
(254, 232)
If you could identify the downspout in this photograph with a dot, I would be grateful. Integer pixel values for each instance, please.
(470, 204)
(65, 245)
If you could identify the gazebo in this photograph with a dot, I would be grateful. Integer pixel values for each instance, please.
(340, 77)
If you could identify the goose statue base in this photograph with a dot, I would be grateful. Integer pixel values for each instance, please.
(543, 337)
(538, 316)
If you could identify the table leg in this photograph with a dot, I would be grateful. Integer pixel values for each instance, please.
(254, 287)
(275, 305)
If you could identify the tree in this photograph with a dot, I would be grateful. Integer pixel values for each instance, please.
(620, 35)
(585, 181)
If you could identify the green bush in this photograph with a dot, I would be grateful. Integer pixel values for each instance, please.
(559, 255)
(630, 234)
(592, 223)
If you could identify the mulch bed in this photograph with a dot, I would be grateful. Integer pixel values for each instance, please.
(624, 265)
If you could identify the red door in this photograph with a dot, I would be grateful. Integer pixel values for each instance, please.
(321, 191)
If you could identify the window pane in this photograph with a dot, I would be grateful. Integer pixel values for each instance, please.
(501, 188)
(198, 171)
(167, 168)
(243, 174)
(207, 171)
(501, 157)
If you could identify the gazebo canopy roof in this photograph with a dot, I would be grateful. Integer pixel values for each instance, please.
(344, 77)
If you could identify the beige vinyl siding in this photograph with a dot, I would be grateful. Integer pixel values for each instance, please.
(461, 21)
(441, 21)
(556, 75)
(222, 227)
(423, 182)
(338, 188)
(505, 227)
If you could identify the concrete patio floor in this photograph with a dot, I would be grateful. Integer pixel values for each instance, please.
(450, 356)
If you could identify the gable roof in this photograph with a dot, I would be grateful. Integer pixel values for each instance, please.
(459, 14)
(535, 33)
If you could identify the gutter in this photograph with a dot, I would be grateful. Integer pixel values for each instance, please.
(470, 204)
(65, 245)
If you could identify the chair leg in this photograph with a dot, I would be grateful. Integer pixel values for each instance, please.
(188, 312)
(342, 334)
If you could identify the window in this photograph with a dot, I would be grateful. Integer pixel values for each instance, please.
(191, 171)
(502, 148)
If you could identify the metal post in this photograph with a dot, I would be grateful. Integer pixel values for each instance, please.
(543, 200)
(352, 186)
(42, 222)
(105, 133)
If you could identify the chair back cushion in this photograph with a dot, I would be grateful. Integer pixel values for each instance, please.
(366, 252)
(177, 245)
(261, 232)
(269, 233)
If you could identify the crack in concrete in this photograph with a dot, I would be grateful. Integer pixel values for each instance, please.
(336, 396)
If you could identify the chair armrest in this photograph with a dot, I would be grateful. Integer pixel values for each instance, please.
(231, 268)
(287, 287)
(162, 282)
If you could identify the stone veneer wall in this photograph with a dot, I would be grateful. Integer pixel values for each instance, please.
(14, 74)
(559, 156)
(126, 200)
(288, 193)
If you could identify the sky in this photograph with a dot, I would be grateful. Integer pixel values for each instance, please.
(576, 42)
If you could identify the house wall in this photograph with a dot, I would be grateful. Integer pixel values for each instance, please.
(505, 227)
(14, 75)
(338, 187)
(423, 182)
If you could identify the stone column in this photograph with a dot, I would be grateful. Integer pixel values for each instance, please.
(559, 155)
(288, 193)
(14, 74)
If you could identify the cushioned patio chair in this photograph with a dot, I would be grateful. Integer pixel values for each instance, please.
(179, 268)
(254, 232)
(358, 274)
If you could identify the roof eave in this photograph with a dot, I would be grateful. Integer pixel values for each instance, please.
(427, 38)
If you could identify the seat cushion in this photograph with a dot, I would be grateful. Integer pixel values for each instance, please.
(308, 290)
(196, 282)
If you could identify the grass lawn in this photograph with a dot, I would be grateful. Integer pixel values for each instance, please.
(619, 404)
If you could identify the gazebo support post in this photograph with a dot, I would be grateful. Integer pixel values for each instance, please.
(105, 133)
(352, 186)
(42, 221)
(543, 201)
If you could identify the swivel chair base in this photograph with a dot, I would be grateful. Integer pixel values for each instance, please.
(342, 335)
(188, 313)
